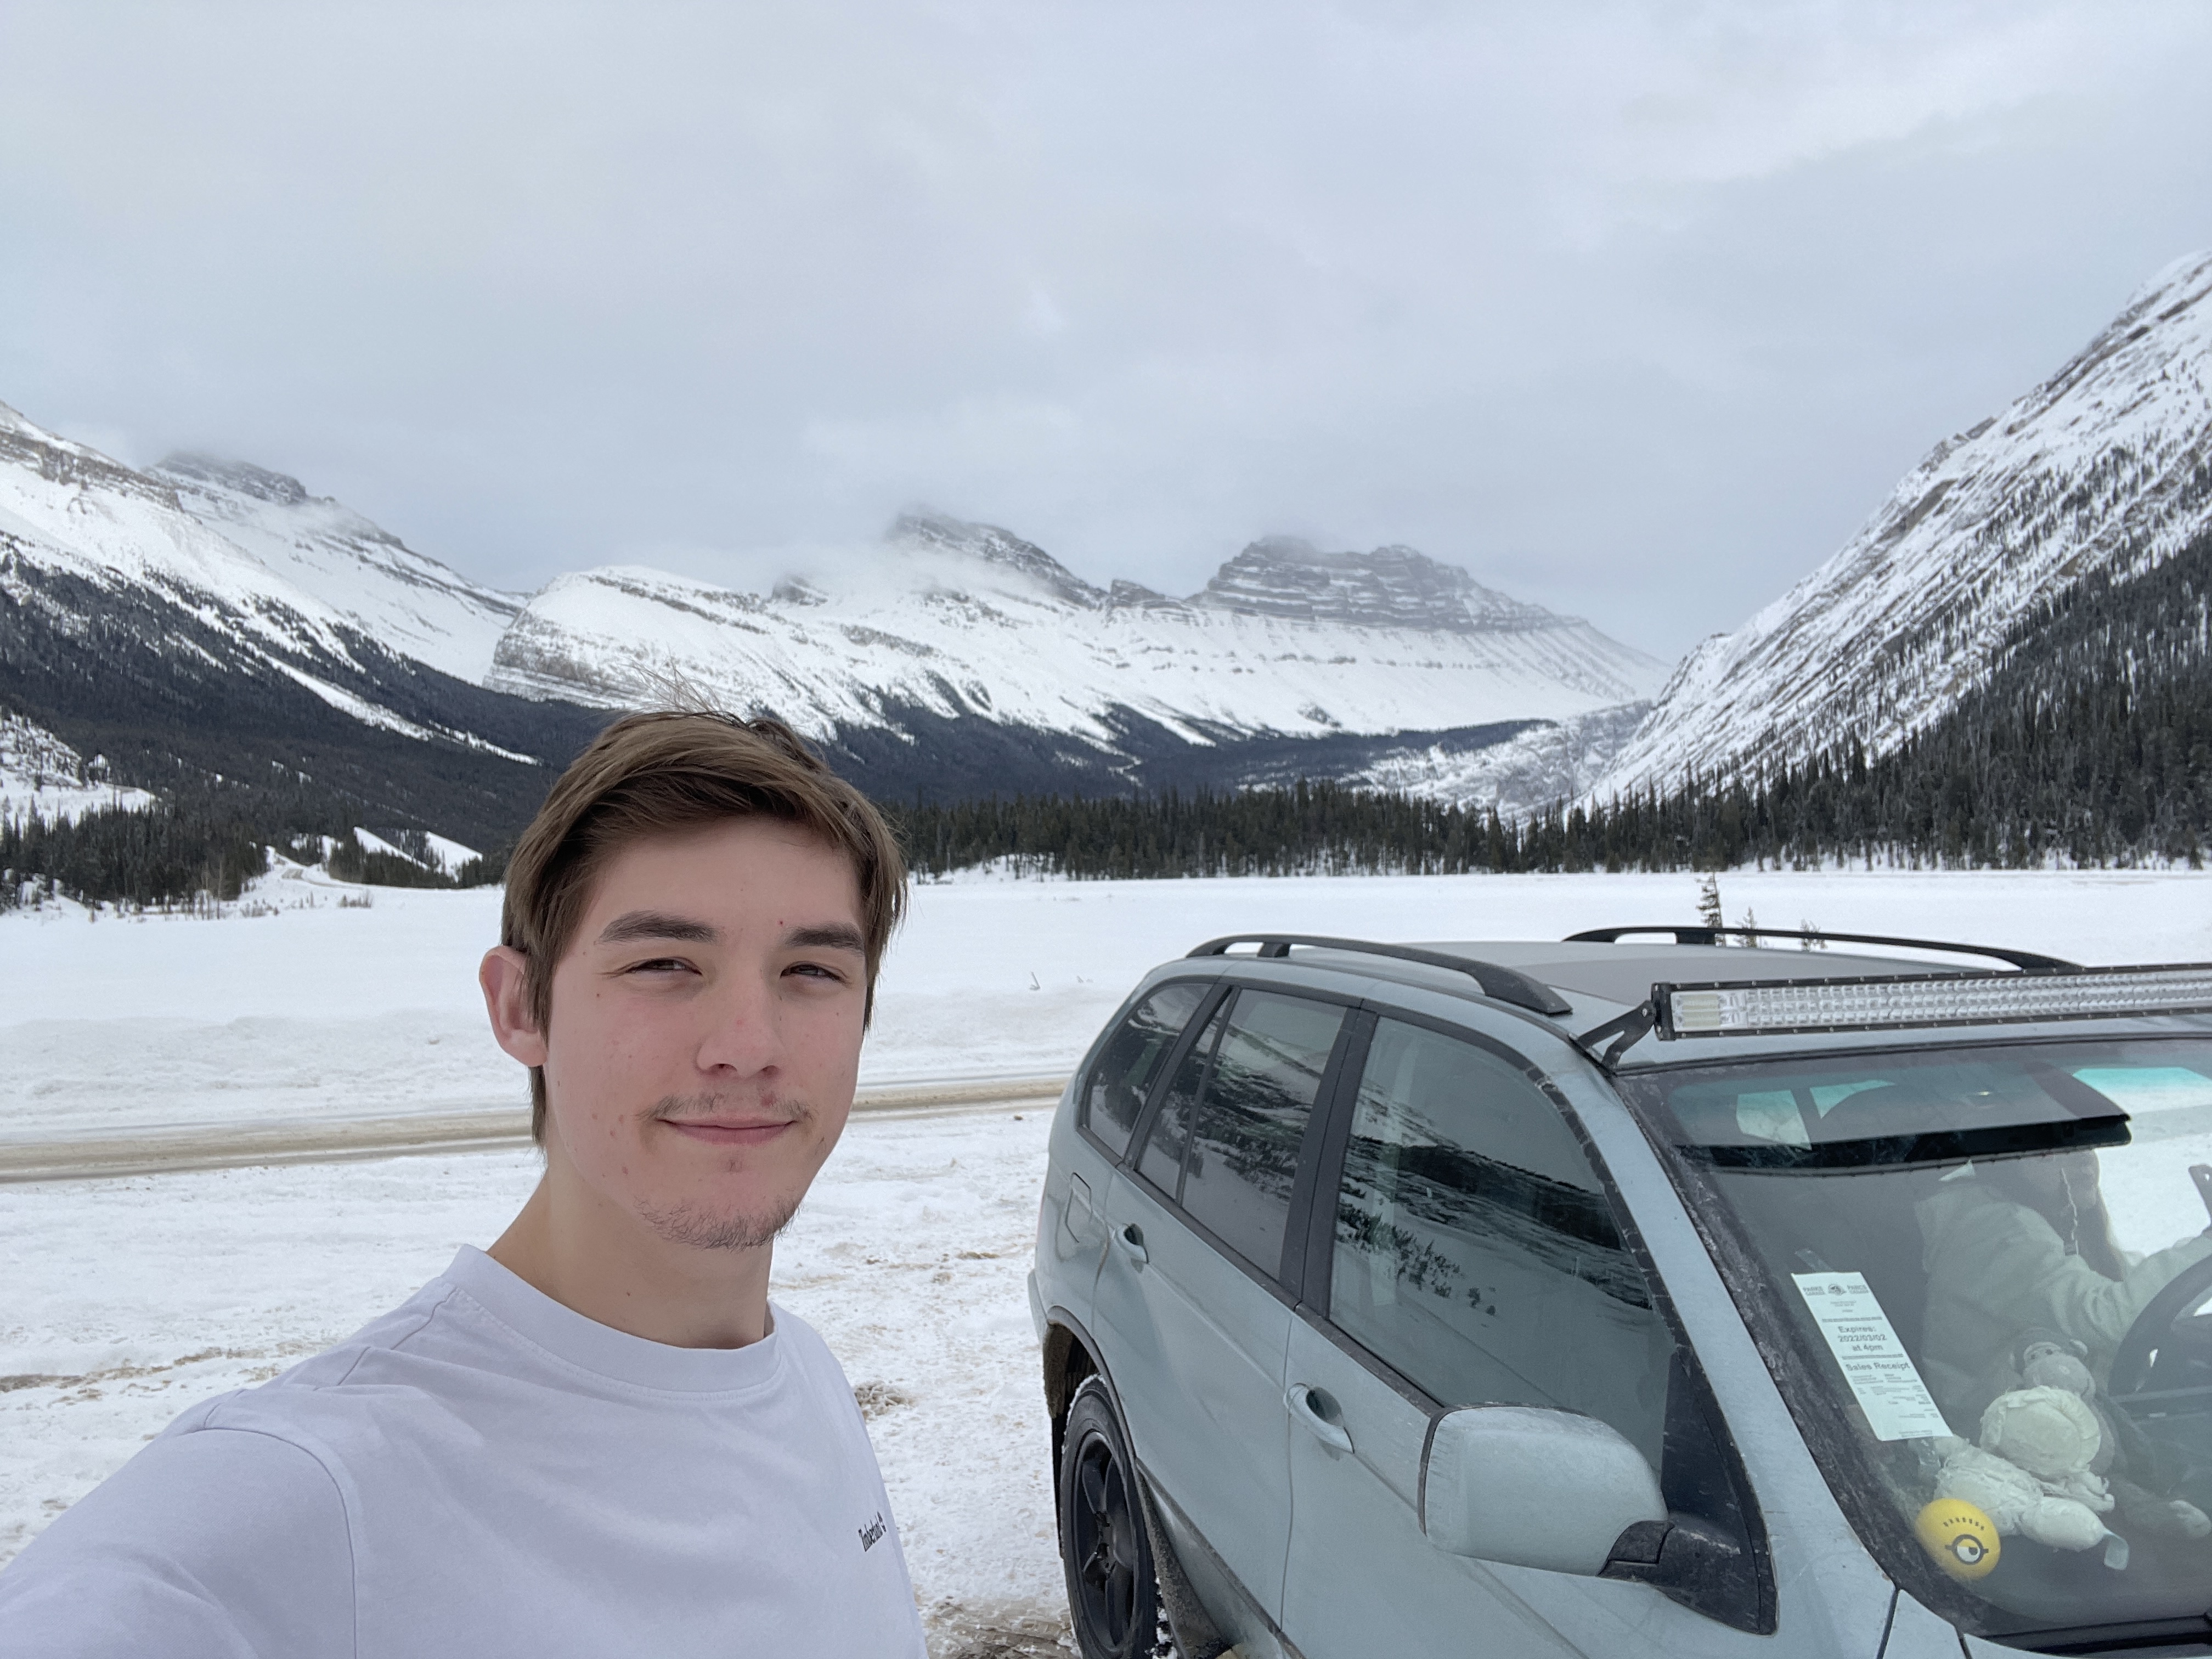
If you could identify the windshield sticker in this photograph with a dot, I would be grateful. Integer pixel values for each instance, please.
(1772, 1116)
(1883, 1376)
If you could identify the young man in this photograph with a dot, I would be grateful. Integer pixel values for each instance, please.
(598, 1437)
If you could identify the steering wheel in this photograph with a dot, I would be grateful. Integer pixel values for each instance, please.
(2131, 1360)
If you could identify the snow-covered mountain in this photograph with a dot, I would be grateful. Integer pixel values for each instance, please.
(221, 631)
(293, 582)
(963, 622)
(217, 617)
(412, 603)
(2107, 466)
(1552, 762)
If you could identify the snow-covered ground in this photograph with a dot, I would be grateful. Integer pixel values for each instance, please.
(127, 1300)
(112, 1025)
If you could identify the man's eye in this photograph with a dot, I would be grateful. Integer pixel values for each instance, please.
(659, 965)
(816, 970)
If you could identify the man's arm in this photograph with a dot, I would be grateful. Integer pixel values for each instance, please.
(2022, 1273)
(214, 1544)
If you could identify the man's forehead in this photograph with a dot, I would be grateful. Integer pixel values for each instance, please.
(695, 875)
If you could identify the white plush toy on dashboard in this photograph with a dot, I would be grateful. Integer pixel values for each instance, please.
(2031, 1472)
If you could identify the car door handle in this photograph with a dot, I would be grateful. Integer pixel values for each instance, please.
(1306, 1406)
(1130, 1241)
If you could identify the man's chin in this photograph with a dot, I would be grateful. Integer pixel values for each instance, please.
(722, 1227)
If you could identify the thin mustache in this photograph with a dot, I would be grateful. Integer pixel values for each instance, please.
(675, 1109)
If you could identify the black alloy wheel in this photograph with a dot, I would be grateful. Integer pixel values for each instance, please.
(1112, 1597)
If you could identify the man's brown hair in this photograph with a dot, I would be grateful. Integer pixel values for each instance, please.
(663, 773)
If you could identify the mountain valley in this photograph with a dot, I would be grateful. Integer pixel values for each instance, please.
(211, 634)
(211, 626)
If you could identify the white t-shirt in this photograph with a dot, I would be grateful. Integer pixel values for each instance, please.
(484, 1472)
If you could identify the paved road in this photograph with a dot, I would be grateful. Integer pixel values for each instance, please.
(234, 1146)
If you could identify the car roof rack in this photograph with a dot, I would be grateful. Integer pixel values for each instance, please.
(2028, 961)
(1499, 983)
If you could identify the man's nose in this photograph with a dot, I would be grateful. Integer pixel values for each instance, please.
(743, 1034)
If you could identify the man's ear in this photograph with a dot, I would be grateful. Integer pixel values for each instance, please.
(505, 976)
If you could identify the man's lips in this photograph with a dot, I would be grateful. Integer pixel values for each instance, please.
(730, 1131)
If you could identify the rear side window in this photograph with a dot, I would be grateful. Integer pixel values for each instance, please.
(1227, 1144)
(1244, 1155)
(1475, 1250)
(1169, 1138)
(1123, 1076)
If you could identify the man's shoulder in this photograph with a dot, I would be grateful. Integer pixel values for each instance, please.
(1967, 1207)
(817, 1374)
(209, 1541)
(804, 1347)
(334, 1365)
(310, 1406)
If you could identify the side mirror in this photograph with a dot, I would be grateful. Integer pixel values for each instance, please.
(1534, 1488)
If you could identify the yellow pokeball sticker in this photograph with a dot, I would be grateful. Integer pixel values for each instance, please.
(1963, 1539)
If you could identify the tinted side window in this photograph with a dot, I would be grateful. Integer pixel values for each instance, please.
(1168, 1138)
(1475, 1250)
(1226, 1143)
(1252, 1119)
(1122, 1079)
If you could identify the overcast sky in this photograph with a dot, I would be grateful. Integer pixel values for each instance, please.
(1637, 311)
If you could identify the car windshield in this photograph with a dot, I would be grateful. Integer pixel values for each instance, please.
(1977, 1273)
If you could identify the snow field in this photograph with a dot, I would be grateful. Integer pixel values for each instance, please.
(114, 1025)
(129, 1300)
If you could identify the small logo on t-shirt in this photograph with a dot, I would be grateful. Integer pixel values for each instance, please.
(872, 1533)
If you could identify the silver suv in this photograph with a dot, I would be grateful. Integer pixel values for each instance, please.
(1606, 1297)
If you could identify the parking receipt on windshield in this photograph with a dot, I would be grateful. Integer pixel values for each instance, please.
(1882, 1375)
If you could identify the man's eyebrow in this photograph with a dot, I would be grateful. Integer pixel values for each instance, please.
(656, 924)
(834, 936)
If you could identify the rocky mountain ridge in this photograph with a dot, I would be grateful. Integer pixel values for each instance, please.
(143, 647)
(969, 622)
(412, 602)
(2104, 468)
(1395, 587)
(212, 614)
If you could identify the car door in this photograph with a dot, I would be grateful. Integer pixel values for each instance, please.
(1120, 1080)
(1464, 1252)
(1191, 1304)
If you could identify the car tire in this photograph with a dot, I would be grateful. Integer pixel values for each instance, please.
(1113, 1598)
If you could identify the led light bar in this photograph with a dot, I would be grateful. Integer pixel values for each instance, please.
(1787, 1007)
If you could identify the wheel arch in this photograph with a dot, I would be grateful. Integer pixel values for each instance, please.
(1071, 1355)
(1070, 1359)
